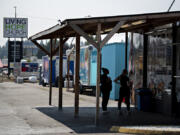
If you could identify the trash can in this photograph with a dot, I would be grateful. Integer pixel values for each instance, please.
(144, 99)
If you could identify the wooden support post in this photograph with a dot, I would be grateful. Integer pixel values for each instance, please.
(130, 52)
(57, 49)
(145, 51)
(60, 72)
(82, 33)
(98, 46)
(76, 88)
(8, 57)
(91, 41)
(50, 77)
(97, 86)
(98, 74)
(113, 31)
(126, 46)
(174, 66)
(68, 68)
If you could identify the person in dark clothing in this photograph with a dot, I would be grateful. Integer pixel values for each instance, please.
(124, 91)
(106, 86)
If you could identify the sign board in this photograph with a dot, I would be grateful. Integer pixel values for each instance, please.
(11, 65)
(15, 27)
(19, 51)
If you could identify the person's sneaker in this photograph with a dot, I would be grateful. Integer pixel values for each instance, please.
(104, 112)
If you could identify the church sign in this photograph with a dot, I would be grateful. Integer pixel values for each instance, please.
(15, 27)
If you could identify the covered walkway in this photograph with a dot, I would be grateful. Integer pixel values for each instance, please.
(85, 27)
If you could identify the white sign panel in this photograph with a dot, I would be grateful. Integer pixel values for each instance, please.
(15, 27)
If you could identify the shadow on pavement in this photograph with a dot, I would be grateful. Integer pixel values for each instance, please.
(85, 123)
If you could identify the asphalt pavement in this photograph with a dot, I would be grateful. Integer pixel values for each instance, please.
(24, 110)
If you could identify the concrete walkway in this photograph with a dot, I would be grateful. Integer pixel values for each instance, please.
(24, 110)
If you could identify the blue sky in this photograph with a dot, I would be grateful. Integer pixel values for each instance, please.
(43, 14)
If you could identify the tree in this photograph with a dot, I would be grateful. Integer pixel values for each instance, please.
(47, 47)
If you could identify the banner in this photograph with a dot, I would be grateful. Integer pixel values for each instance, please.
(15, 28)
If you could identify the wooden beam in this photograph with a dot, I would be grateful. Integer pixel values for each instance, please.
(98, 74)
(76, 88)
(57, 49)
(145, 52)
(68, 68)
(50, 77)
(134, 17)
(150, 24)
(113, 31)
(40, 47)
(85, 35)
(71, 51)
(46, 34)
(174, 103)
(55, 40)
(60, 72)
(126, 47)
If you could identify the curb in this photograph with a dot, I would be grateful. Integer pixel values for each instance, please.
(143, 131)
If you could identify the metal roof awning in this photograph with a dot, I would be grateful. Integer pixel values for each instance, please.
(132, 23)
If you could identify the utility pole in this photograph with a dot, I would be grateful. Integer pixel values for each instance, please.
(15, 45)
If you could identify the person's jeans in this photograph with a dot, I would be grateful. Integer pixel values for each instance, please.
(124, 93)
(105, 99)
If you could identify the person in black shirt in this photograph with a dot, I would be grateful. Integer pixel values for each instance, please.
(124, 91)
(106, 86)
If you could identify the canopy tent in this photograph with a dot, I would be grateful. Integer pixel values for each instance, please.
(138, 23)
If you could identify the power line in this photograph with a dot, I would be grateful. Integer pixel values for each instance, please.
(41, 18)
(171, 6)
